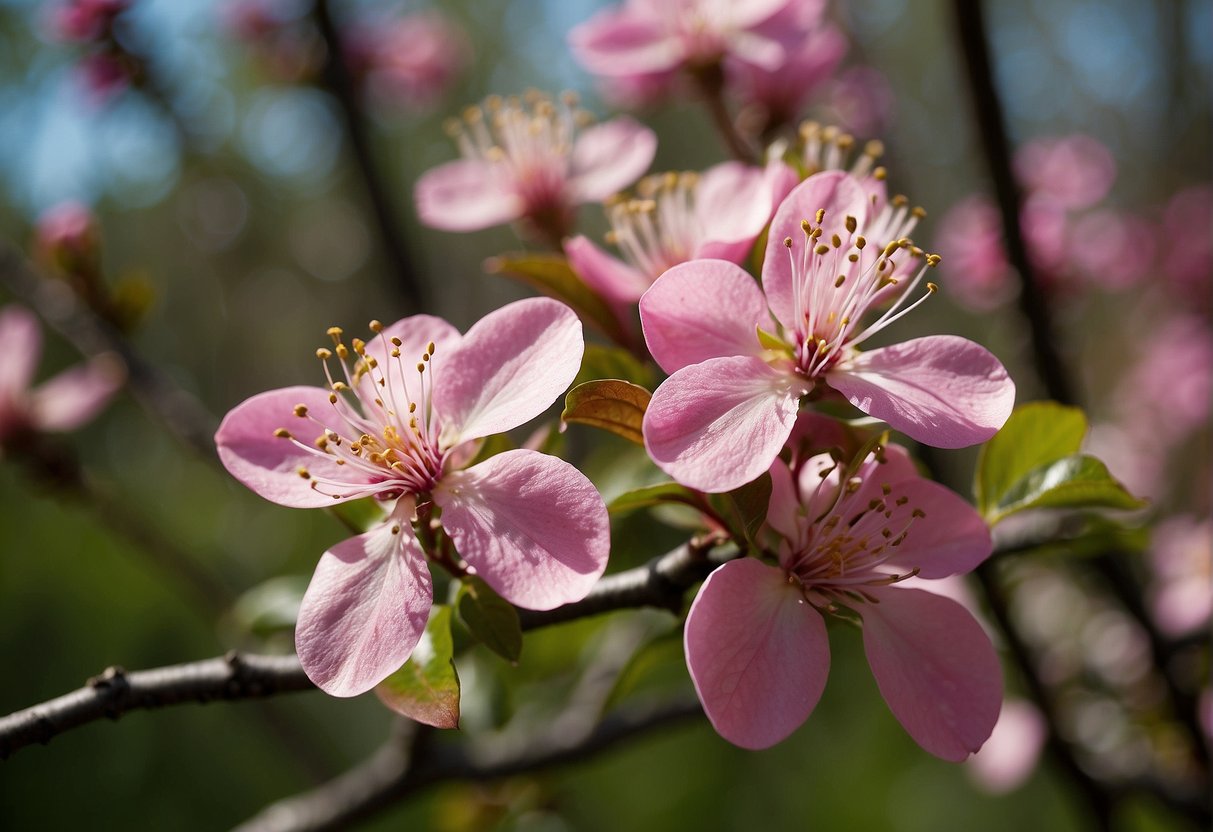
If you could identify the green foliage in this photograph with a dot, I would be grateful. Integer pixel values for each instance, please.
(611, 404)
(602, 361)
(426, 688)
(1033, 462)
(652, 495)
(490, 618)
(551, 275)
(744, 509)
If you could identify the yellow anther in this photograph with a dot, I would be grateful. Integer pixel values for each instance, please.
(323, 354)
(932, 288)
(919, 211)
(836, 241)
(332, 398)
(395, 353)
(842, 278)
(861, 241)
(300, 410)
(880, 174)
(396, 341)
(899, 200)
(412, 407)
(321, 442)
(375, 326)
(787, 241)
(430, 347)
(933, 259)
(342, 352)
(891, 248)
(852, 224)
(302, 472)
(822, 249)
(821, 215)
(283, 433)
(359, 345)
(340, 386)
(420, 367)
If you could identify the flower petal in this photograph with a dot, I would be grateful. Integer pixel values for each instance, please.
(20, 348)
(608, 157)
(757, 652)
(841, 196)
(702, 309)
(508, 368)
(415, 333)
(951, 538)
(617, 42)
(935, 667)
(76, 395)
(532, 526)
(717, 425)
(269, 465)
(734, 202)
(466, 195)
(744, 14)
(365, 610)
(942, 390)
(611, 279)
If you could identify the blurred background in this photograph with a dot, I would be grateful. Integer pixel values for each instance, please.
(233, 224)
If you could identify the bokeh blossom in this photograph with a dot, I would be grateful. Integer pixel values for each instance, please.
(402, 427)
(413, 59)
(755, 636)
(531, 159)
(61, 404)
(743, 358)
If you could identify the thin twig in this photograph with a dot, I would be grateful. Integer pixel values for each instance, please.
(177, 410)
(387, 777)
(340, 83)
(709, 81)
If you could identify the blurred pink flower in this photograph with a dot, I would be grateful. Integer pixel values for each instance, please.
(1173, 378)
(400, 428)
(532, 159)
(1011, 753)
(67, 235)
(730, 404)
(61, 404)
(1076, 171)
(970, 240)
(1187, 244)
(861, 100)
(676, 217)
(85, 21)
(1112, 250)
(414, 59)
(755, 636)
(1182, 561)
(645, 38)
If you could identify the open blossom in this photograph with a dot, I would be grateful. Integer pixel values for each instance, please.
(676, 217)
(743, 358)
(755, 637)
(531, 159)
(401, 428)
(63, 403)
(644, 39)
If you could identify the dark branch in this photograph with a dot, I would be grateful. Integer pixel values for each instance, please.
(992, 124)
(180, 412)
(393, 773)
(341, 84)
(114, 692)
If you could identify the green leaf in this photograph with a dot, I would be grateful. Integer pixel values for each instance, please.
(426, 688)
(491, 446)
(745, 508)
(655, 668)
(490, 618)
(1036, 435)
(1076, 481)
(358, 515)
(552, 275)
(602, 361)
(610, 404)
(773, 342)
(651, 495)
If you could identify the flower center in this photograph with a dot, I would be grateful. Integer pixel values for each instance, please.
(828, 148)
(837, 278)
(659, 228)
(381, 427)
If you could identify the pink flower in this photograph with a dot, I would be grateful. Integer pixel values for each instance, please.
(531, 160)
(64, 403)
(970, 240)
(1182, 561)
(1075, 171)
(742, 358)
(67, 235)
(679, 217)
(755, 636)
(1188, 246)
(643, 39)
(85, 21)
(861, 100)
(402, 428)
(1010, 755)
(413, 59)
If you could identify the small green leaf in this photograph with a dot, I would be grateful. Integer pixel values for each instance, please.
(651, 495)
(1036, 435)
(745, 508)
(552, 275)
(610, 404)
(426, 688)
(490, 618)
(602, 361)
(773, 342)
(491, 446)
(656, 667)
(1076, 481)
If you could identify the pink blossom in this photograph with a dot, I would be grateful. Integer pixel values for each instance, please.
(85, 21)
(532, 159)
(1075, 171)
(1009, 756)
(401, 428)
(61, 404)
(642, 39)
(755, 636)
(742, 358)
(679, 217)
(1182, 561)
(861, 100)
(67, 234)
(413, 59)
(1187, 243)
(970, 240)
(1172, 381)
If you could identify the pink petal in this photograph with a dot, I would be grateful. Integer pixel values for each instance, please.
(717, 425)
(783, 510)
(415, 333)
(530, 524)
(76, 395)
(619, 43)
(608, 157)
(611, 279)
(508, 368)
(835, 191)
(466, 195)
(757, 653)
(364, 611)
(745, 14)
(702, 309)
(1010, 755)
(20, 346)
(766, 53)
(942, 390)
(734, 203)
(935, 667)
(268, 465)
(952, 539)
